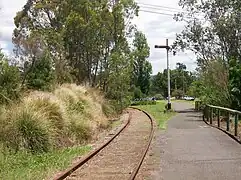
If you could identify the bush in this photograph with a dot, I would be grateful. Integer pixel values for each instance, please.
(137, 93)
(27, 129)
(48, 105)
(137, 103)
(108, 109)
(159, 97)
(79, 130)
(43, 121)
(41, 76)
(178, 93)
(9, 81)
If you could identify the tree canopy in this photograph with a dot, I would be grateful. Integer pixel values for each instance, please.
(213, 33)
(82, 42)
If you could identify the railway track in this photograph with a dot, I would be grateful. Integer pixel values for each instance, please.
(121, 156)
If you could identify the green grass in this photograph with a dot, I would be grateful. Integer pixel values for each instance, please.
(157, 111)
(28, 166)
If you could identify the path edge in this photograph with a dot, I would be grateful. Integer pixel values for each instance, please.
(226, 132)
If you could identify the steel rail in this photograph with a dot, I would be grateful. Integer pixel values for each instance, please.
(70, 170)
(136, 170)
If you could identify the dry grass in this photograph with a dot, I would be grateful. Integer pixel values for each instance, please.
(43, 121)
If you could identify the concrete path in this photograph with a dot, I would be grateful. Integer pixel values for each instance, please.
(191, 150)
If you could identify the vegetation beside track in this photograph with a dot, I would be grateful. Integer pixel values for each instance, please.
(25, 166)
(42, 122)
(40, 132)
(158, 113)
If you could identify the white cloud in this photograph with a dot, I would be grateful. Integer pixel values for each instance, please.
(3, 46)
(9, 8)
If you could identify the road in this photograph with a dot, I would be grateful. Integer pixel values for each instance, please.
(191, 150)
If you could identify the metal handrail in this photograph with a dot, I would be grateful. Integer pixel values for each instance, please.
(224, 109)
(209, 114)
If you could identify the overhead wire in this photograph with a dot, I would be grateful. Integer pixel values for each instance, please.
(166, 14)
(169, 14)
(149, 8)
(162, 10)
(160, 6)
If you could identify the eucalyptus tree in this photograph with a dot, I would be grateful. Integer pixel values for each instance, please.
(213, 32)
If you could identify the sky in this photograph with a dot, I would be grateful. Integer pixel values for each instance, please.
(156, 27)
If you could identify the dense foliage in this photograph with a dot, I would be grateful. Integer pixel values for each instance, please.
(213, 32)
(62, 48)
(82, 42)
(181, 80)
(9, 80)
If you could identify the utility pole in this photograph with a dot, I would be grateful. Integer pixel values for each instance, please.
(168, 73)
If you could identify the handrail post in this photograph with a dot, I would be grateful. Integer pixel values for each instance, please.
(218, 118)
(207, 113)
(228, 121)
(204, 113)
(211, 116)
(236, 125)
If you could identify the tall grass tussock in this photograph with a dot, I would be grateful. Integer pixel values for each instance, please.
(44, 121)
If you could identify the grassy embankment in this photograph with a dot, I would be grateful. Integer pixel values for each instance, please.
(42, 133)
(157, 111)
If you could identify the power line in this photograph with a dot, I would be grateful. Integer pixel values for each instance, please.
(154, 5)
(166, 14)
(158, 8)
(161, 8)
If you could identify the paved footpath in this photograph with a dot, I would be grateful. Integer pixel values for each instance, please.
(191, 150)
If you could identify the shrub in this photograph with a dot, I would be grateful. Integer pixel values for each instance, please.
(27, 129)
(159, 97)
(9, 81)
(42, 121)
(137, 103)
(41, 76)
(137, 93)
(178, 94)
(78, 129)
(108, 109)
(50, 106)
(78, 106)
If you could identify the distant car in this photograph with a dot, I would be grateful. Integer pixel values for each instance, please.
(188, 98)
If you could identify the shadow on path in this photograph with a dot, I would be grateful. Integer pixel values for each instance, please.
(189, 110)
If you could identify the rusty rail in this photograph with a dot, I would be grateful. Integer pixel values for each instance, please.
(134, 173)
(88, 157)
(92, 154)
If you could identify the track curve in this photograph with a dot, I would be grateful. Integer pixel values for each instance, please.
(133, 175)
(135, 170)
